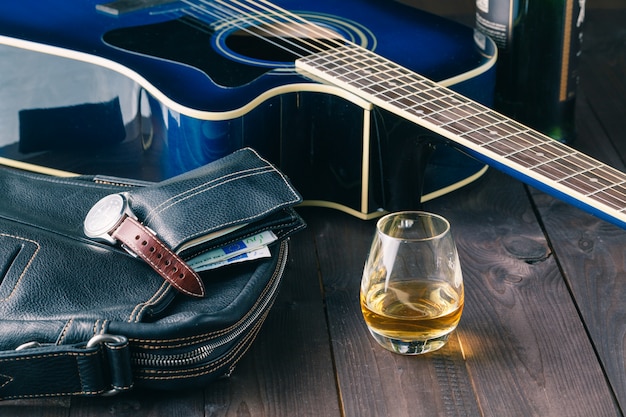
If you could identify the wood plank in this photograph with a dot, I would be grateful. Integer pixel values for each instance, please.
(522, 351)
(50, 407)
(526, 349)
(140, 404)
(373, 381)
(289, 369)
(590, 251)
(602, 69)
(591, 255)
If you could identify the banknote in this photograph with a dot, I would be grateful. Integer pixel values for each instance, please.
(250, 248)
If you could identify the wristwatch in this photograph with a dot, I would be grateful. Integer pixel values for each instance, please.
(112, 221)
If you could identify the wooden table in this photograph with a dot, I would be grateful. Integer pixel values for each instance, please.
(544, 327)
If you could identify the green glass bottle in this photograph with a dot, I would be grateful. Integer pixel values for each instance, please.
(539, 44)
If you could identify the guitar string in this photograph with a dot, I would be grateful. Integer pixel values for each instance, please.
(473, 115)
(307, 27)
(546, 144)
(259, 19)
(552, 146)
(584, 168)
(243, 24)
(247, 12)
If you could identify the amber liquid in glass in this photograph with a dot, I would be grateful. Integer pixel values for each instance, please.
(412, 310)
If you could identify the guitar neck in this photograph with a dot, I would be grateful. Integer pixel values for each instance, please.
(490, 136)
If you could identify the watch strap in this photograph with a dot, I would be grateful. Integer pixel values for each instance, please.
(145, 244)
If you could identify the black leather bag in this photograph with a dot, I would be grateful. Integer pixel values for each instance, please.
(79, 317)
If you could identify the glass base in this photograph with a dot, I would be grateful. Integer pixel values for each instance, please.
(410, 347)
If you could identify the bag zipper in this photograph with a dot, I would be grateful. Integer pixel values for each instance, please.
(203, 352)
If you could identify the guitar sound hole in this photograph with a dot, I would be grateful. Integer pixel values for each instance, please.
(229, 59)
(281, 43)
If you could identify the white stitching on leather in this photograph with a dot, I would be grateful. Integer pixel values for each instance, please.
(28, 264)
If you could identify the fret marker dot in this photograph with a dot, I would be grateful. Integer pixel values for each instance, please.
(540, 154)
(493, 132)
(593, 179)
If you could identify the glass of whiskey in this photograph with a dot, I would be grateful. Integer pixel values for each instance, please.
(412, 287)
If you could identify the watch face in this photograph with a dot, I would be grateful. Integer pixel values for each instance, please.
(104, 215)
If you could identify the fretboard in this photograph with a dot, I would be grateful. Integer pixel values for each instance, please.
(490, 136)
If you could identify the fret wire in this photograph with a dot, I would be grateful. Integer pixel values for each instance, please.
(537, 155)
(404, 91)
(590, 174)
(581, 182)
(408, 91)
(524, 137)
(478, 129)
(571, 166)
(438, 101)
(427, 100)
(610, 200)
(589, 184)
(546, 146)
(450, 103)
(570, 156)
(346, 70)
(392, 91)
(608, 188)
(607, 176)
(610, 175)
(460, 124)
(565, 173)
(506, 146)
(607, 184)
(489, 130)
(602, 182)
(436, 105)
(543, 146)
(578, 161)
(380, 81)
(500, 136)
(544, 149)
(498, 130)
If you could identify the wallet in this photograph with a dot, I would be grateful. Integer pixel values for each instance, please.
(83, 316)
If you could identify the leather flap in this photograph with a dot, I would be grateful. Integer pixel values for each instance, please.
(238, 190)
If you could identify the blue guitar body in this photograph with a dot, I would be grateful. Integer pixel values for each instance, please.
(161, 88)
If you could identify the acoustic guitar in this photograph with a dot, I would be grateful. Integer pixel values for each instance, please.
(364, 104)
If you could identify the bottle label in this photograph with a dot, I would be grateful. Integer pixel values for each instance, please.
(495, 19)
(539, 43)
(483, 5)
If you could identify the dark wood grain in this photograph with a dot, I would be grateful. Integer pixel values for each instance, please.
(591, 252)
(525, 347)
(591, 255)
(290, 368)
(53, 407)
(141, 404)
(602, 86)
(373, 381)
(544, 327)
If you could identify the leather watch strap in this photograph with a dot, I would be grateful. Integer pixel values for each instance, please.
(141, 241)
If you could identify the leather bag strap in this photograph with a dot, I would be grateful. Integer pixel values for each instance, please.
(101, 366)
(143, 243)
